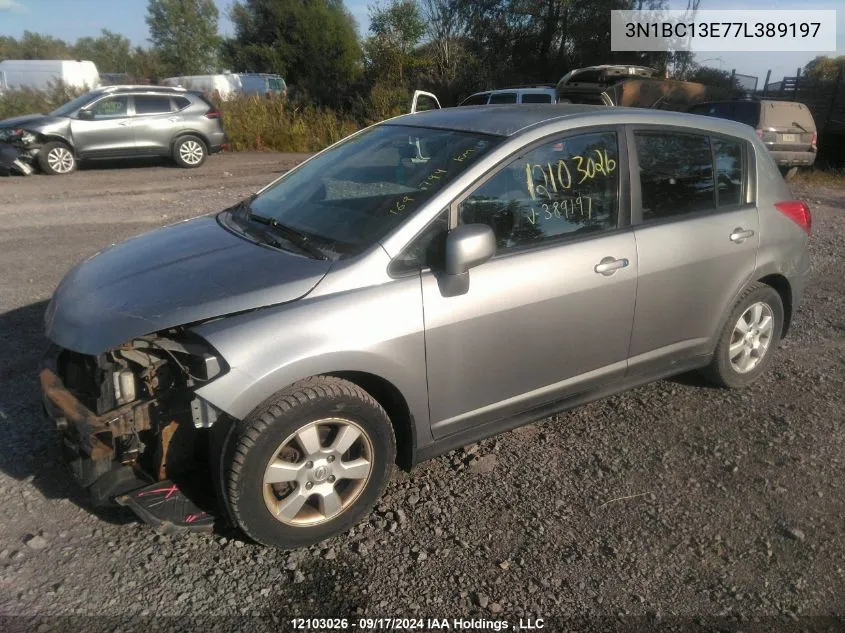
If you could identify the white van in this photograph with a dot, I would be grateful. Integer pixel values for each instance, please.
(223, 85)
(519, 94)
(262, 84)
(41, 74)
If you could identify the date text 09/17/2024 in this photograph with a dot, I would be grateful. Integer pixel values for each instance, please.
(415, 624)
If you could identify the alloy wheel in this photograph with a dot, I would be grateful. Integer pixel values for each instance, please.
(318, 472)
(60, 160)
(751, 337)
(191, 152)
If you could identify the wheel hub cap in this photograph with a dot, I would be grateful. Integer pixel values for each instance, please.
(318, 472)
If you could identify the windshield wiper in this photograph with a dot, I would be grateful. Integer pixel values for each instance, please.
(797, 124)
(297, 238)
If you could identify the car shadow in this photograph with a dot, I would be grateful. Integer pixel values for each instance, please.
(30, 449)
(127, 163)
(692, 379)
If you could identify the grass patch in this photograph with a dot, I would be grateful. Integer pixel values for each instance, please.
(820, 177)
(259, 123)
(27, 101)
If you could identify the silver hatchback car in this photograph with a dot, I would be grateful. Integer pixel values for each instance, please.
(119, 122)
(427, 282)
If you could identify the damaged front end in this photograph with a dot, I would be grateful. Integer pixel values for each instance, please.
(130, 420)
(18, 149)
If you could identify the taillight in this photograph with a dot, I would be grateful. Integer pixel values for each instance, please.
(759, 133)
(814, 141)
(798, 212)
(214, 113)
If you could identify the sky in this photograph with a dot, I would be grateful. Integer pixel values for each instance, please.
(71, 19)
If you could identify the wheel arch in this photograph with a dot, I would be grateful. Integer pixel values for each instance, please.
(58, 138)
(780, 284)
(394, 403)
(183, 133)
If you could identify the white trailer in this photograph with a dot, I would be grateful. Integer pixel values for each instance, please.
(41, 74)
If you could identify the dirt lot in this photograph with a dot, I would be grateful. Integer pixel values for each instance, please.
(670, 502)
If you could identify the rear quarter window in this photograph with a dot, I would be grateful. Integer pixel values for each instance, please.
(181, 103)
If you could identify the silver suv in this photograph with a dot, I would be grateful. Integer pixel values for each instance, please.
(429, 281)
(119, 122)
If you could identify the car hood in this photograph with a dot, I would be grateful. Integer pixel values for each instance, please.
(32, 122)
(172, 276)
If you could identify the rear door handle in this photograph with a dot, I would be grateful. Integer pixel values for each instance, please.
(609, 265)
(739, 235)
(123, 123)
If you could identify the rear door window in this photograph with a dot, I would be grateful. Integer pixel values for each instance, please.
(151, 104)
(502, 97)
(536, 97)
(676, 174)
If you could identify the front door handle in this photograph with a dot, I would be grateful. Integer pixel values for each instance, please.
(739, 235)
(609, 265)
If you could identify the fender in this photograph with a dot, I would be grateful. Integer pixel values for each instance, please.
(376, 330)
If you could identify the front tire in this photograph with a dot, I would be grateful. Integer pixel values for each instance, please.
(189, 152)
(309, 463)
(748, 341)
(56, 159)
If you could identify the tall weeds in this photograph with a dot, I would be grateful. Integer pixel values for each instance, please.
(259, 123)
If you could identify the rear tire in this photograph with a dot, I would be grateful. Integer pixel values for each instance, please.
(56, 159)
(189, 151)
(749, 338)
(309, 463)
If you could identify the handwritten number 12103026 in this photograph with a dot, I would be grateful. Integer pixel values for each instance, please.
(560, 178)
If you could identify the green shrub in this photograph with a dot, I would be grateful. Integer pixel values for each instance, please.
(260, 123)
(27, 101)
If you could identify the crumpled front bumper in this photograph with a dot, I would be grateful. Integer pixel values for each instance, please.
(87, 437)
(15, 160)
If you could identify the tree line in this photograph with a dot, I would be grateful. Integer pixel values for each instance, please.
(451, 47)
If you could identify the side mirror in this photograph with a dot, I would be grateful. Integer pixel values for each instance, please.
(85, 115)
(467, 246)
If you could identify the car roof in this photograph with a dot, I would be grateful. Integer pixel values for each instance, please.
(510, 120)
(130, 88)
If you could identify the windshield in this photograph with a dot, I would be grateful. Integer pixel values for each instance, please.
(74, 104)
(350, 197)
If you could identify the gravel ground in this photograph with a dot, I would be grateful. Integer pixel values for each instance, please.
(671, 502)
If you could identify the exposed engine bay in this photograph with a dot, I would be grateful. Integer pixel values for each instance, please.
(129, 417)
